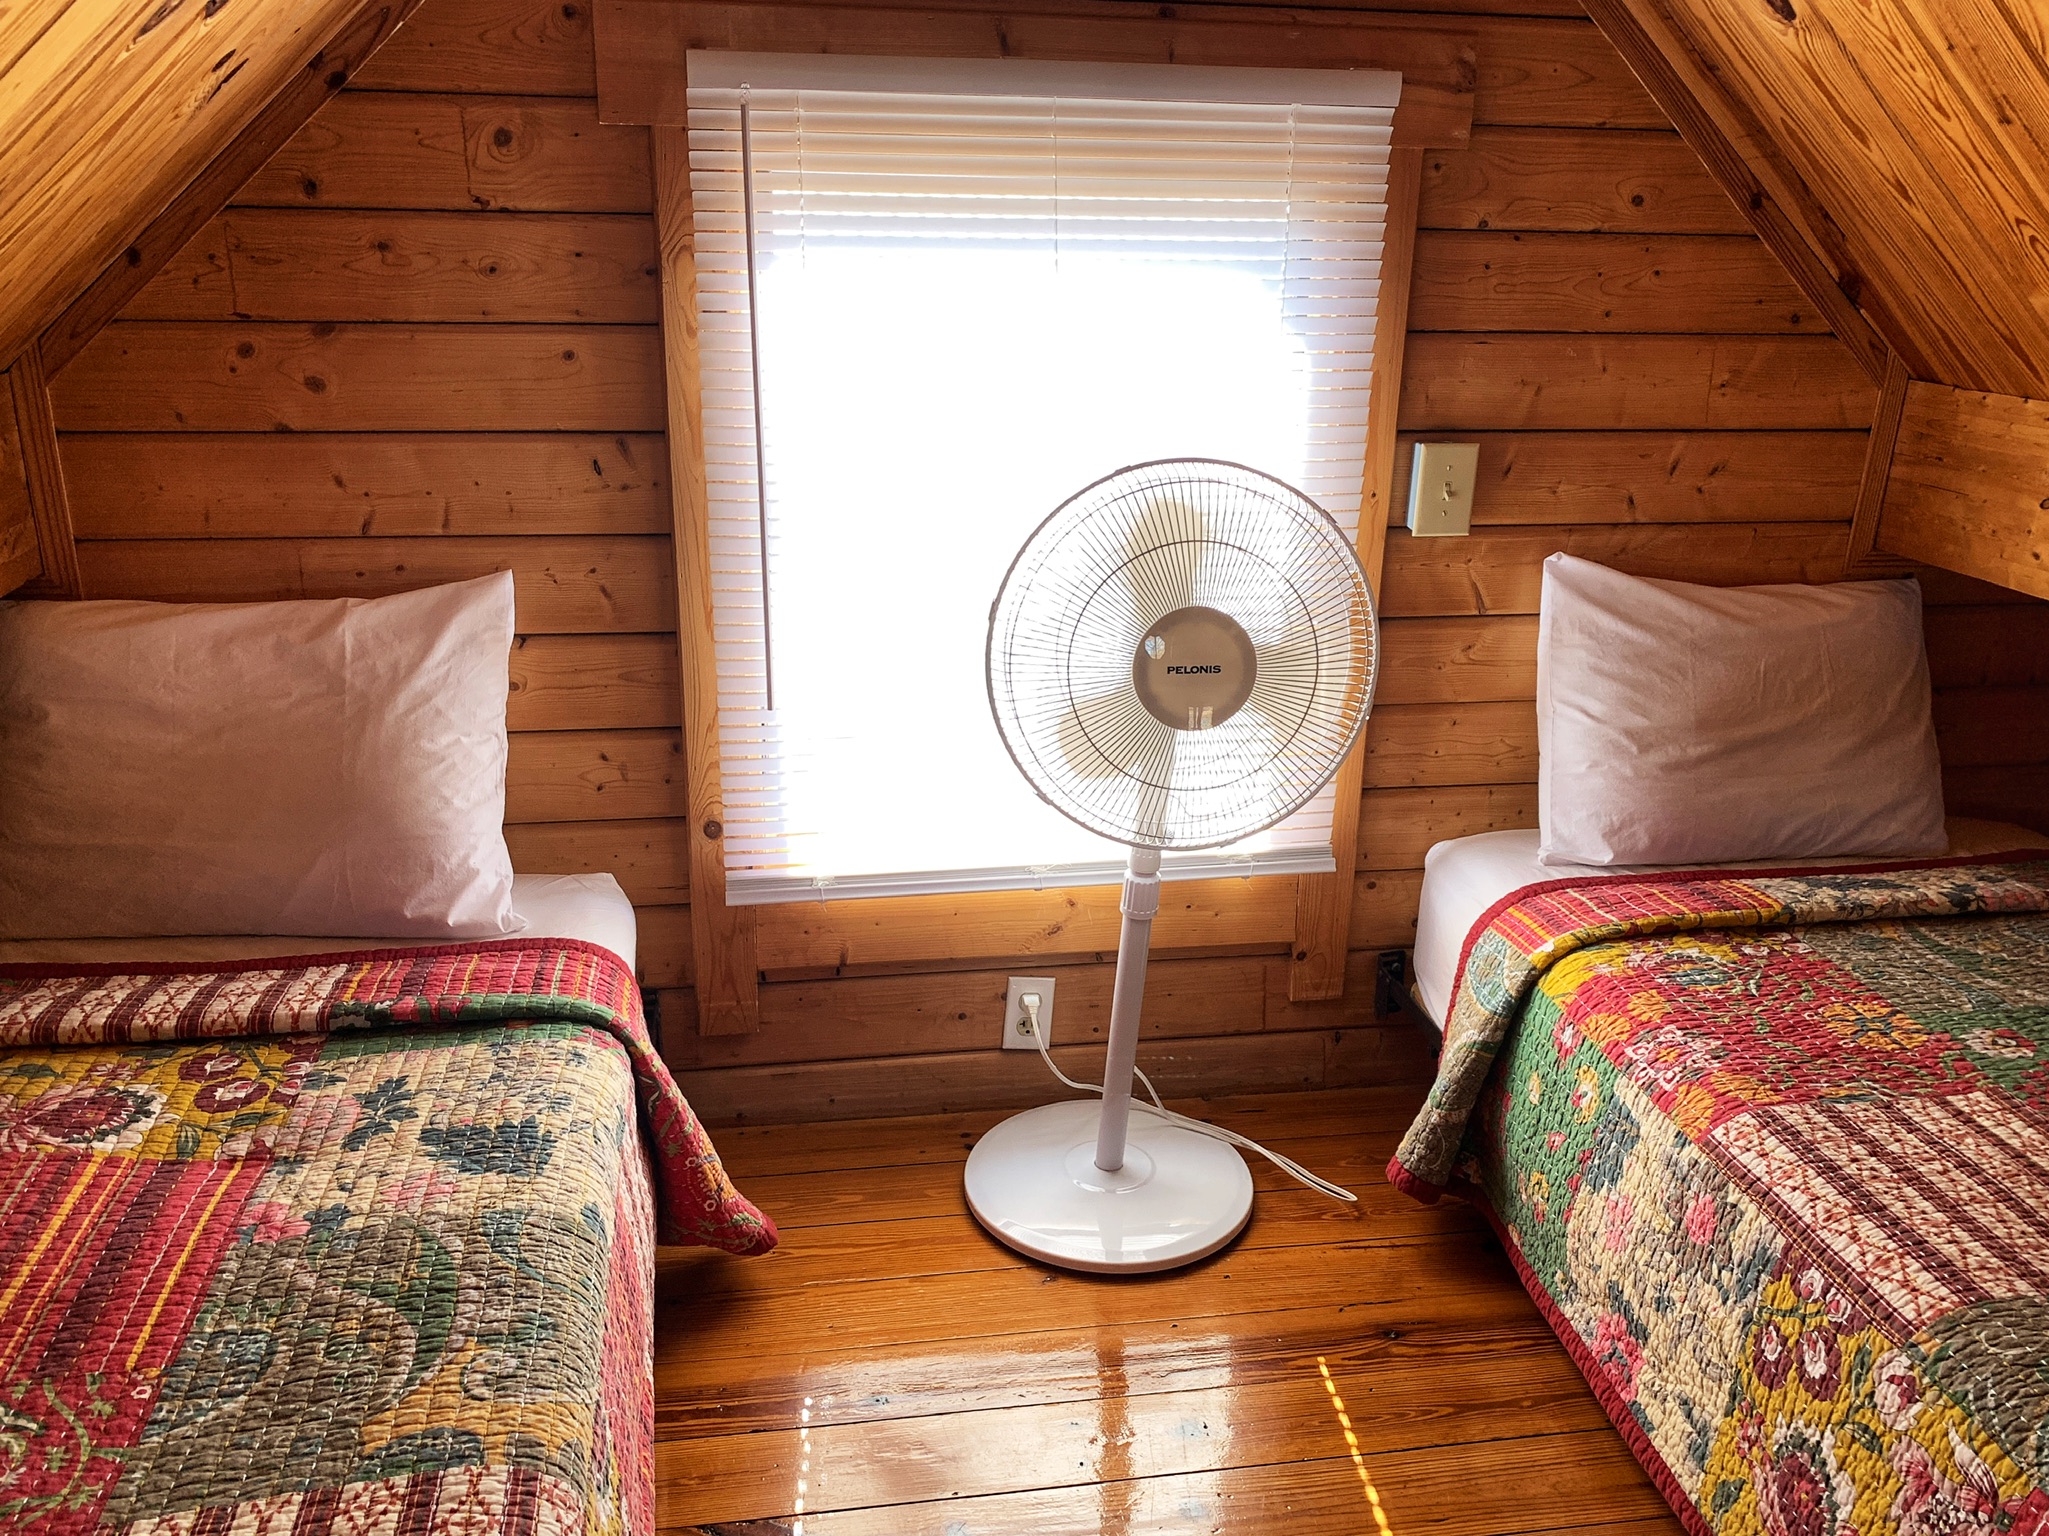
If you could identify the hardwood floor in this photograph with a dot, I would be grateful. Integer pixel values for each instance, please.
(891, 1371)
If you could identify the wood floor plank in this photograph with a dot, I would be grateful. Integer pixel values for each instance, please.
(1499, 1488)
(905, 1246)
(1067, 1445)
(916, 1191)
(751, 1151)
(755, 1315)
(726, 1396)
(914, 1248)
(892, 1370)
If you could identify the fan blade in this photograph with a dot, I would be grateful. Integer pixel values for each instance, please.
(1111, 735)
(1077, 748)
(1165, 558)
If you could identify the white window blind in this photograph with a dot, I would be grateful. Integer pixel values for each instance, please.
(958, 292)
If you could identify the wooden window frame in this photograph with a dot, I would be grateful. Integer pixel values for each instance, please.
(641, 49)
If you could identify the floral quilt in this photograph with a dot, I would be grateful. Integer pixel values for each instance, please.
(360, 1243)
(1772, 1153)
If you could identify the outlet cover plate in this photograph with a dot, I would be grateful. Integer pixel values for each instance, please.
(1015, 1038)
(1441, 489)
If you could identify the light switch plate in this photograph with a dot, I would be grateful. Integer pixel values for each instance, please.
(1441, 489)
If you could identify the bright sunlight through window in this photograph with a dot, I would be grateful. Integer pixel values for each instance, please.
(966, 307)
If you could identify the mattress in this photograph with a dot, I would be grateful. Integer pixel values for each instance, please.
(1466, 876)
(587, 907)
(1771, 1153)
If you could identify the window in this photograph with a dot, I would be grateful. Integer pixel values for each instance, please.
(937, 298)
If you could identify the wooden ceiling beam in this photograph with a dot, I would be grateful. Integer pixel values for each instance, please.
(303, 94)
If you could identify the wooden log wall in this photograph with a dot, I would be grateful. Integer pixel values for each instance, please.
(421, 345)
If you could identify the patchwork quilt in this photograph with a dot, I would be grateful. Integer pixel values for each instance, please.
(1772, 1154)
(361, 1244)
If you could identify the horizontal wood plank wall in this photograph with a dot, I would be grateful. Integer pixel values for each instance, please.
(421, 345)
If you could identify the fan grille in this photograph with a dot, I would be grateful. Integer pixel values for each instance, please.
(1089, 586)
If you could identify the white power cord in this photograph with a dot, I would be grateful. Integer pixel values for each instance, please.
(1030, 1003)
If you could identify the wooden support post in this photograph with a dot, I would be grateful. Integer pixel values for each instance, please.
(20, 560)
(721, 937)
(1863, 558)
(44, 472)
(1323, 903)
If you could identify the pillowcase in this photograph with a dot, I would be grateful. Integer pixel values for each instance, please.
(304, 767)
(1681, 724)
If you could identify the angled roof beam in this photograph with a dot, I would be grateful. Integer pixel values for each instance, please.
(302, 94)
(1732, 146)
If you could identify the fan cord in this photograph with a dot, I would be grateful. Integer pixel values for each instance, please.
(1294, 1170)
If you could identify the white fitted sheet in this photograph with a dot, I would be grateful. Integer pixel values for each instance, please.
(589, 907)
(1466, 876)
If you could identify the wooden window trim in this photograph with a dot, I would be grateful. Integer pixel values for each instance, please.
(640, 56)
(1323, 903)
(642, 47)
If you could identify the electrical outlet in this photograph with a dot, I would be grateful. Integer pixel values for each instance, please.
(1017, 1033)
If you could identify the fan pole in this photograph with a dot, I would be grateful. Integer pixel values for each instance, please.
(1140, 904)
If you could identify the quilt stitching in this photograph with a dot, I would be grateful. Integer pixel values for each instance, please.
(339, 1244)
(1769, 1153)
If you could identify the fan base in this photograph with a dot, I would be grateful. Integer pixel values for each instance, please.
(1180, 1196)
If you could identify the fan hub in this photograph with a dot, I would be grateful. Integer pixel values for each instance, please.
(1194, 669)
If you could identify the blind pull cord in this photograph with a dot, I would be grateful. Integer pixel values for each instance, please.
(754, 380)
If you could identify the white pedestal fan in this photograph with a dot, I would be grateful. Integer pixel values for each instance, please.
(1180, 656)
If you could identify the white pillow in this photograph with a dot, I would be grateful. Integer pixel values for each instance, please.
(1690, 725)
(305, 768)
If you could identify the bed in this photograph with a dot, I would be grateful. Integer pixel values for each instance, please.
(1768, 1146)
(294, 1240)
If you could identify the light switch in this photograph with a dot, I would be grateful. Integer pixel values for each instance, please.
(1441, 489)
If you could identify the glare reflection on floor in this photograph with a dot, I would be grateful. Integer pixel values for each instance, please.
(803, 1467)
(1352, 1444)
